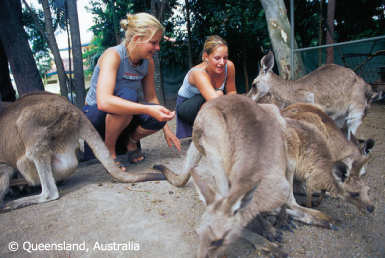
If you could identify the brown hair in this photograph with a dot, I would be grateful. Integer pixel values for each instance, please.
(211, 44)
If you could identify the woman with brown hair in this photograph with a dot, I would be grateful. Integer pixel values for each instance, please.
(212, 78)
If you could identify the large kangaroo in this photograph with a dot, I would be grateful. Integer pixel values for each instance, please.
(343, 95)
(325, 159)
(39, 137)
(246, 152)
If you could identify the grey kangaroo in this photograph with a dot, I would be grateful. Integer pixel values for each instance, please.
(342, 94)
(39, 138)
(246, 151)
(345, 159)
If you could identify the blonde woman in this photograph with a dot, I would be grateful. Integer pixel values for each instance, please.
(112, 101)
(212, 78)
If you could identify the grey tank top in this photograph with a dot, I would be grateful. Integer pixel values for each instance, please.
(187, 90)
(126, 77)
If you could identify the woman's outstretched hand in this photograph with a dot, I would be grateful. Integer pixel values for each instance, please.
(161, 113)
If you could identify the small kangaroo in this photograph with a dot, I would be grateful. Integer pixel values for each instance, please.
(246, 152)
(39, 138)
(329, 162)
(338, 90)
(349, 151)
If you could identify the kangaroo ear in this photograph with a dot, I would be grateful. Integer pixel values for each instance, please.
(206, 193)
(340, 171)
(354, 140)
(368, 146)
(241, 200)
(267, 63)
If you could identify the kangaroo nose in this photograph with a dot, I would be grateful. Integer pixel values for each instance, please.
(370, 208)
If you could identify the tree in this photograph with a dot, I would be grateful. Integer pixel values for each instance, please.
(330, 32)
(157, 10)
(15, 43)
(37, 40)
(76, 53)
(7, 93)
(190, 60)
(279, 32)
(48, 33)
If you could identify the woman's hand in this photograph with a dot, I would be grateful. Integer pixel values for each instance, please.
(219, 93)
(160, 113)
(170, 137)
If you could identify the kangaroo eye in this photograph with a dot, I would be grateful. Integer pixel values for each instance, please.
(354, 195)
(217, 242)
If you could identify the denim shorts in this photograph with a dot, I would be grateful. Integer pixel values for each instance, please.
(98, 120)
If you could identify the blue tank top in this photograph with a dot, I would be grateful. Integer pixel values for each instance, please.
(126, 76)
(187, 90)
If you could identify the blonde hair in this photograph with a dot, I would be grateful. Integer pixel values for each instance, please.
(140, 24)
(211, 44)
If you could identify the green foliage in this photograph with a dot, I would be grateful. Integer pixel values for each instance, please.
(354, 19)
(39, 46)
(103, 28)
(241, 23)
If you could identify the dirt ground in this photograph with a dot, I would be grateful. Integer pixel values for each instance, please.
(99, 217)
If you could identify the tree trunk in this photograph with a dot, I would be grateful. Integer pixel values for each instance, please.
(245, 71)
(49, 34)
(7, 93)
(158, 79)
(279, 32)
(116, 27)
(16, 48)
(76, 53)
(190, 58)
(330, 34)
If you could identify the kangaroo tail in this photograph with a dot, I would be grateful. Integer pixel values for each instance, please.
(93, 139)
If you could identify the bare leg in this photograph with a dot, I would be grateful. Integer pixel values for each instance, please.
(115, 124)
(136, 135)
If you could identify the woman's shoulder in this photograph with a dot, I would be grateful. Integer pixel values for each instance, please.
(197, 69)
(110, 55)
(230, 65)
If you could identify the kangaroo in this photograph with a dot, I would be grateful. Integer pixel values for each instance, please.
(40, 136)
(351, 151)
(311, 161)
(246, 152)
(343, 160)
(343, 95)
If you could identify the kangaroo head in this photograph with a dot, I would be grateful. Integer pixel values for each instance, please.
(260, 87)
(353, 188)
(220, 225)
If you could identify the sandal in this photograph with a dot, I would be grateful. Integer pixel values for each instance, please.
(120, 164)
(135, 154)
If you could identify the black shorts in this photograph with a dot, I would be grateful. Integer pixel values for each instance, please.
(189, 108)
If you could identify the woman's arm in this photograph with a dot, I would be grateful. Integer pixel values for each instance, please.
(150, 97)
(201, 80)
(230, 87)
(109, 63)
